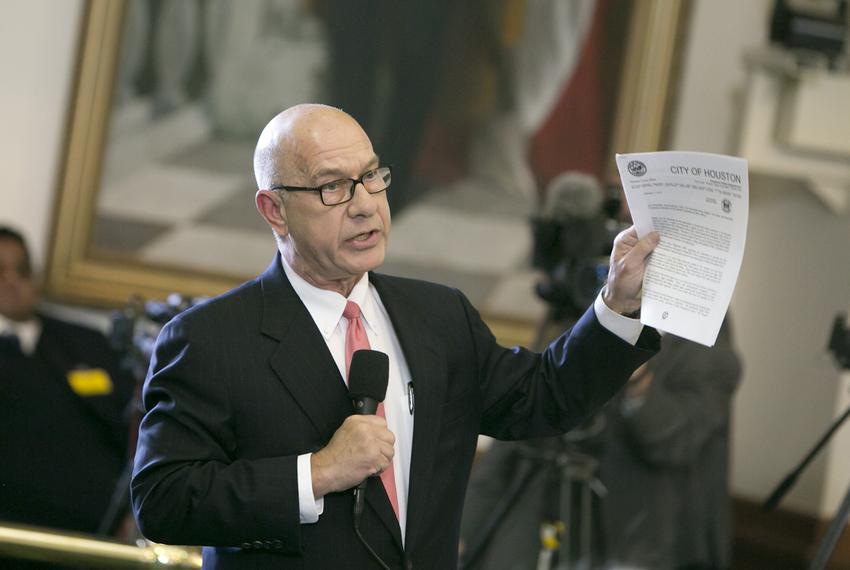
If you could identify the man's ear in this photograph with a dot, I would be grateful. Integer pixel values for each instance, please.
(270, 207)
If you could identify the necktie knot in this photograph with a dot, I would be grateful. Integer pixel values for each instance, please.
(351, 311)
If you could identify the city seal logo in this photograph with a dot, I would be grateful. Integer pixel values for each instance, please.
(726, 204)
(636, 168)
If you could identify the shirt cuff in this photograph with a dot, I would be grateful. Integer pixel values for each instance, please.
(627, 329)
(309, 507)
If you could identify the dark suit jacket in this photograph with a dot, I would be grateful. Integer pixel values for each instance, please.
(62, 452)
(241, 385)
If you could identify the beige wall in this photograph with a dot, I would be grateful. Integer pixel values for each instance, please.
(796, 271)
(37, 52)
(795, 276)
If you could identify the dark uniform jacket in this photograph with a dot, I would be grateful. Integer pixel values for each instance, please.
(63, 428)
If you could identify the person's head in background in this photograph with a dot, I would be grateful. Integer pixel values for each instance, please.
(17, 288)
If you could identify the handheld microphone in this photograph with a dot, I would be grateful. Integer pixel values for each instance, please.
(368, 377)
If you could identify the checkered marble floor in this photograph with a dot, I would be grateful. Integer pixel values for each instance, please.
(187, 201)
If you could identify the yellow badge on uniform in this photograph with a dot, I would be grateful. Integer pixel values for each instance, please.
(90, 382)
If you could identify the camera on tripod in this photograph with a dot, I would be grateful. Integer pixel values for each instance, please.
(134, 327)
(132, 333)
(572, 237)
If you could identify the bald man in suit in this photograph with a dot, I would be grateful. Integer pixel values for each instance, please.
(249, 446)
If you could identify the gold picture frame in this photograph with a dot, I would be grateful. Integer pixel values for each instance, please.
(74, 275)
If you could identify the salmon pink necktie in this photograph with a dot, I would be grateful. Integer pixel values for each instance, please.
(356, 339)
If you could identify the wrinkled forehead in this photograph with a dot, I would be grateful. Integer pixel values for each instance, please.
(322, 130)
(330, 144)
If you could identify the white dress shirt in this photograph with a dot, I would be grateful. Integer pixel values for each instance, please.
(325, 308)
(28, 332)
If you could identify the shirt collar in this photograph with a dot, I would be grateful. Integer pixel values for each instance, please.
(326, 307)
(28, 332)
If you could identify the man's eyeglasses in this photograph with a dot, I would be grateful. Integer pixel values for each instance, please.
(342, 190)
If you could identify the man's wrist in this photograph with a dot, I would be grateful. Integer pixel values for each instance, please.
(627, 329)
(319, 478)
(631, 310)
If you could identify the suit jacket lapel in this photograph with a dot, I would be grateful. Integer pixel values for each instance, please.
(427, 370)
(304, 365)
(306, 368)
(302, 360)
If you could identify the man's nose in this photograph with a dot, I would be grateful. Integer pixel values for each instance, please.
(362, 198)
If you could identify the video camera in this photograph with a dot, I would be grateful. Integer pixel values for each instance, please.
(573, 235)
(134, 327)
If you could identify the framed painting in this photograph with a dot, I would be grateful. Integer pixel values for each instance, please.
(478, 106)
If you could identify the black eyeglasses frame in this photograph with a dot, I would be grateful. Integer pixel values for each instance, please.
(354, 183)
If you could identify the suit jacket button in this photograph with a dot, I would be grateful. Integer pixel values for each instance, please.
(258, 544)
(278, 544)
(246, 545)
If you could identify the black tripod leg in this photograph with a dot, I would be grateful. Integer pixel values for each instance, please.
(119, 503)
(791, 478)
(833, 533)
(525, 473)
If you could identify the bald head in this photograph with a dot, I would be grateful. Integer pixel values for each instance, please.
(280, 151)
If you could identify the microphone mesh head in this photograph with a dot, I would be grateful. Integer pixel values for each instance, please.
(573, 194)
(368, 375)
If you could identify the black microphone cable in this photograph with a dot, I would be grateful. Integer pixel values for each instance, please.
(368, 377)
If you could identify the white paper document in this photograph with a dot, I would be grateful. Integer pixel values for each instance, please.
(699, 204)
